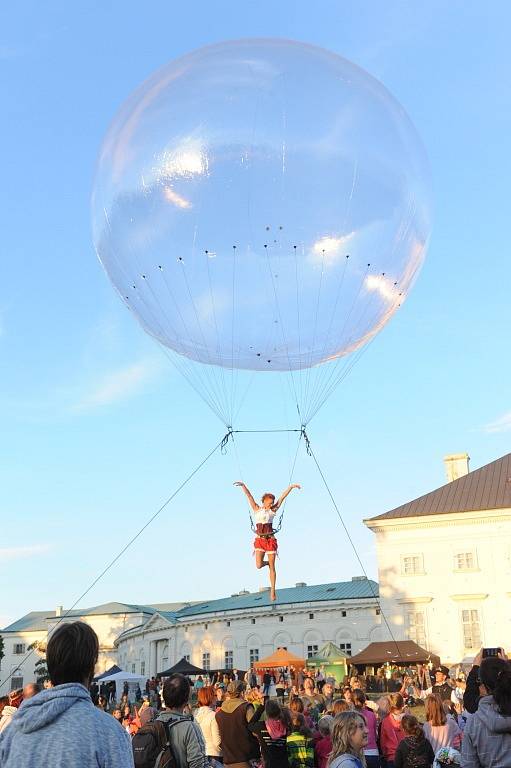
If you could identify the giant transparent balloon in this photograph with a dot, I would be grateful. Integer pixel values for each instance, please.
(262, 204)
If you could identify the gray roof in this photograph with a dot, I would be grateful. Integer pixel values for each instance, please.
(343, 590)
(32, 622)
(172, 607)
(486, 488)
(38, 620)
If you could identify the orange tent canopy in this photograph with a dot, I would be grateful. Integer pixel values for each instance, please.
(281, 658)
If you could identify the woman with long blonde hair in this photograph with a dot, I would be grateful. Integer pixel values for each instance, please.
(440, 729)
(349, 738)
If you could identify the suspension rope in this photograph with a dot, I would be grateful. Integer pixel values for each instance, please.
(376, 597)
(105, 570)
(281, 516)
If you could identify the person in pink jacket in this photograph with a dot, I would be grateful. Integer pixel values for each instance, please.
(371, 751)
(391, 732)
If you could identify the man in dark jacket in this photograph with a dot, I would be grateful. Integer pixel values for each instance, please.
(441, 687)
(239, 745)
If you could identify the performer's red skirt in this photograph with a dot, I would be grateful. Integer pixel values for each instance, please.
(267, 543)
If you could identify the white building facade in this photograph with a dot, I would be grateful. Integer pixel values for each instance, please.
(227, 633)
(233, 633)
(444, 562)
(108, 621)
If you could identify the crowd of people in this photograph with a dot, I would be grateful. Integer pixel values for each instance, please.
(276, 720)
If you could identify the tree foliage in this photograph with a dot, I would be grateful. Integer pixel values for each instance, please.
(40, 668)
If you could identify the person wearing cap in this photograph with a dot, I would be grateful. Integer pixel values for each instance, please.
(441, 687)
(239, 745)
(219, 696)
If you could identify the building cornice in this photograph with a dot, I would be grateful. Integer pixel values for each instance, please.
(406, 600)
(447, 520)
(477, 596)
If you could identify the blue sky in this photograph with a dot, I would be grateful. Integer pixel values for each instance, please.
(97, 429)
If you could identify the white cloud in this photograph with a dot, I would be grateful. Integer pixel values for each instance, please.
(118, 385)
(502, 424)
(382, 285)
(7, 554)
(329, 249)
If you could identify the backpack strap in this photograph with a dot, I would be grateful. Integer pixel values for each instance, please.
(167, 726)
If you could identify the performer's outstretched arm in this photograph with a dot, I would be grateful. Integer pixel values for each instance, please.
(286, 493)
(247, 493)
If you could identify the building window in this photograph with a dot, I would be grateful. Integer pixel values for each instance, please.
(416, 627)
(253, 621)
(346, 647)
(378, 611)
(142, 667)
(311, 616)
(18, 649)
(471, 630)
(16, 682)
(464, 561)
(411, 565)
(281, 618)
(133, 669)
(228, 659)
(311, 651)
(343, 614)
(253, 655)
(187, 657)
(206, 661)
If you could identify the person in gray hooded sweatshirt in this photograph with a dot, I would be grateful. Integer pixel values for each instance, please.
(60, 727)
(487, 735)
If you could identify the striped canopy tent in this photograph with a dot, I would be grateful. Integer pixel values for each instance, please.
(281, 658)
(332, 660)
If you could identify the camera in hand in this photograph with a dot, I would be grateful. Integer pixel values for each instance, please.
(489, 652)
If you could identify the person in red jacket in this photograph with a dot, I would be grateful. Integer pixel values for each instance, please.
(391, 732)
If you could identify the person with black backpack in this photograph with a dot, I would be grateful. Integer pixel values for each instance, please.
(173, 739)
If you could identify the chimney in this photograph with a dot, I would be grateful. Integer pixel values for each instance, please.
(456, 465)
(58, 610)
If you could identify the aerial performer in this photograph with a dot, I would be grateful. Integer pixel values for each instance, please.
(265, 542)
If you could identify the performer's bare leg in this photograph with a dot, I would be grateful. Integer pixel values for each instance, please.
(260, 561)
(273, 574)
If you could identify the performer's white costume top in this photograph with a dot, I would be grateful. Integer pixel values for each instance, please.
(263, 515)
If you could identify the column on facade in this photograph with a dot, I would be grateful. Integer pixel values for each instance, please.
(150, 660)
(155, 657)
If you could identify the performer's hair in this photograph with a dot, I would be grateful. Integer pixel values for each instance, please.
(268, 496)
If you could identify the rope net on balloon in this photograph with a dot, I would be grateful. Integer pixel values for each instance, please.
(262, 206)
(304, 364)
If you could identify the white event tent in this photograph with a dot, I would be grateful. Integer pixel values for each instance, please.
(124, 677)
